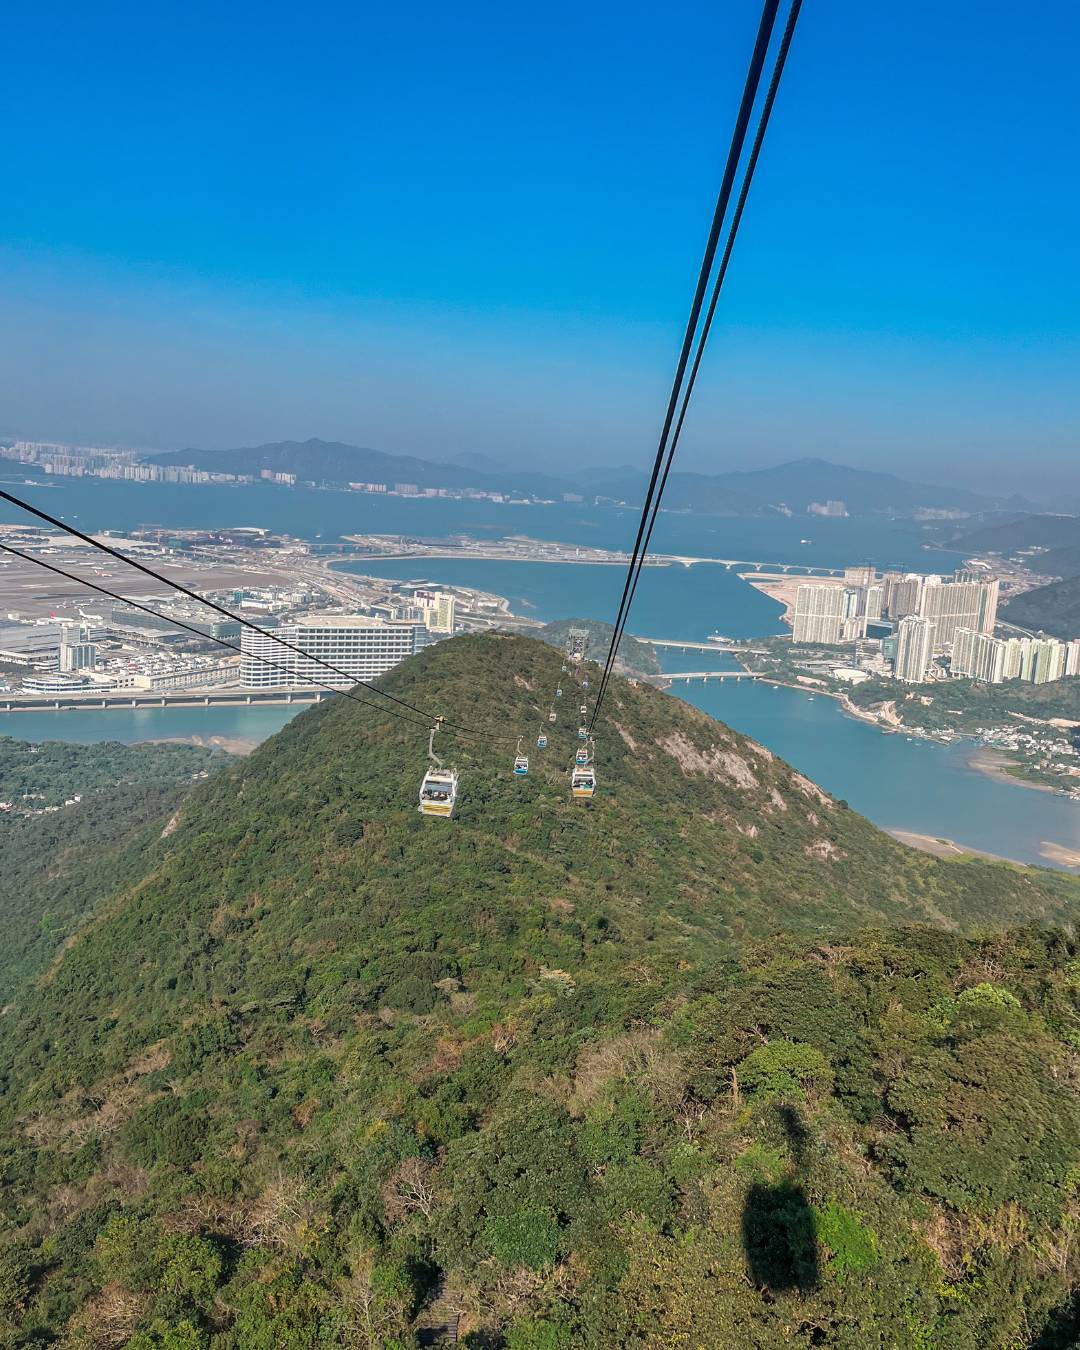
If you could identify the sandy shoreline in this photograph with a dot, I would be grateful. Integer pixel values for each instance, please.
(996, 765)
(946, 848)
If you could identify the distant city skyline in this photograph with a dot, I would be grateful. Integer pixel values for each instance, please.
(446, 233)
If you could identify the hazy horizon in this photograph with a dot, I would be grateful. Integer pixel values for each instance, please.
(442, 234)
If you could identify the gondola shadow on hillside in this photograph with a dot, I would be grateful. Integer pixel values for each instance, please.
(778, 1229)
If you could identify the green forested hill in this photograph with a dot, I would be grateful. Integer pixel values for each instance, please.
(634, 658)
(648, 1071)
(1053, 609)
(57, 859)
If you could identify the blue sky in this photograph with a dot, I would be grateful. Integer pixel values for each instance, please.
(476, 228)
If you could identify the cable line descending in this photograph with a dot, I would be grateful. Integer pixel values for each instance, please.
(753, 77)
(236, 618)
(680, 397)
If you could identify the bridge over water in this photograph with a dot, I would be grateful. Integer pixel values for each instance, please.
(682, 645)
(686, 676)
(235, 698)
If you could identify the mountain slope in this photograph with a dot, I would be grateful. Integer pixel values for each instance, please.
(1049, 544)
(755, 492)
(325, 1060)
(1053, 609)
(335, 462)
(802, 481)
(82, 818)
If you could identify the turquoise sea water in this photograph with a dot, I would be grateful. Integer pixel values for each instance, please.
(899, 783)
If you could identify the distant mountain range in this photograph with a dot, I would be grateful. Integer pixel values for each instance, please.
(335, 462)
(790, 487)
(1049, 544)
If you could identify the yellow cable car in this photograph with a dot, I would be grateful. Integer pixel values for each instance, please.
(438, 788)
(438, 792)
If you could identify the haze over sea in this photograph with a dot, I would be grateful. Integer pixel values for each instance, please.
(897, 782)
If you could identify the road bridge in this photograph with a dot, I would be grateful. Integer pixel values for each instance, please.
(682, 645)
(144, 698)
(686, 676)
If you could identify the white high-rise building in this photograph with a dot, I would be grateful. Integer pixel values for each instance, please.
(77, 652)
(988, 604)
(439, 610)
(822, 614)
(978, 656)
(1072, 657)
(1046, 660)
(902, 594)
(965, 601)
(1014, 658)
(914, 649)
(360, 646)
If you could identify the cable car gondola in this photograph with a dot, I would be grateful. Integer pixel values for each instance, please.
(541, 742)
(583, 782)
(438, 789)
(582, 733)
(582, 755)
(551, 715)
(584, 709)
(558, 692)
(584, 684)
(521, 762)
(438, 792)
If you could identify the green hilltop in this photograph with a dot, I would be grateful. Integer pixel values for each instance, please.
(706, 1061)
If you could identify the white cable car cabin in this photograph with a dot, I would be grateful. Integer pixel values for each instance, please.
(584, 684)
(438, 792)
(558, 692)
(551, 715)
(521, 765)
(582, 755)
(584, 709)
(582, 733)
(541, 742)
(583, 782)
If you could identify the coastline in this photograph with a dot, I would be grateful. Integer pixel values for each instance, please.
(949, 848)
(982, 759)
(996, 764)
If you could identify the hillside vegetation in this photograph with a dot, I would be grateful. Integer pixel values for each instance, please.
(634, 658)
(60, 854)
(965, 705)
(647, 1071)
(1049, 544)
(1053, 609)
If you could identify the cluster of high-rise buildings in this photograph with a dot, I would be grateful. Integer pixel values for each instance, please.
(834, 612)
(919, 618)
(994, 660)
(87, 461)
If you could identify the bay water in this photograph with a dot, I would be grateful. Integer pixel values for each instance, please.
(899, 783)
